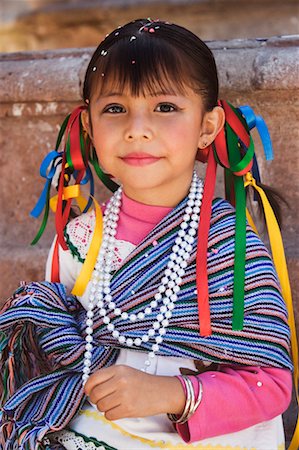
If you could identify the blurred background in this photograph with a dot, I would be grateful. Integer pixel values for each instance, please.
(51, 24)
(46, 45)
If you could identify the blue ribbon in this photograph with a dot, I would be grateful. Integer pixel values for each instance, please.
(258, 122)
(89, 177)
(47, 170)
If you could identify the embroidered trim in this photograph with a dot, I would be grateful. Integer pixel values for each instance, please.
(161, 444)
(79, 441)
(74, 251)
(79, 233)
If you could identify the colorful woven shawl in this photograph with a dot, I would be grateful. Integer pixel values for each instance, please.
(42, 330)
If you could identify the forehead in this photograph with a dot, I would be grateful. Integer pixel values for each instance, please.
(130, 89)
(141, 69)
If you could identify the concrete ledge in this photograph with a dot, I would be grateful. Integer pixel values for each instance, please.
(244, 65)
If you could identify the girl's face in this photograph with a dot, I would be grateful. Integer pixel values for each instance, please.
(149, 143)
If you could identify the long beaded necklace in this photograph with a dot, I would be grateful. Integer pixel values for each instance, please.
(165, 298)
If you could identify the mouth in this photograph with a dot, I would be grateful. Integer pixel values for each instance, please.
(139, 159)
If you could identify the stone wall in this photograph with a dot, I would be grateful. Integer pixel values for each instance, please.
(50, 24)
(38, 89)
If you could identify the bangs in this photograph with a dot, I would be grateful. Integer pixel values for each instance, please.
(143, 66)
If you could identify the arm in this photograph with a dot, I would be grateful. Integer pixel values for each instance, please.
(121, 392)
(79, 235)
(259, 394)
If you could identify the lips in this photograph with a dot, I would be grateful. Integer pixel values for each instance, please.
(139, 159)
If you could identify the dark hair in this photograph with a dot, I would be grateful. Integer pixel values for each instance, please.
(149, 55)
(146, 55)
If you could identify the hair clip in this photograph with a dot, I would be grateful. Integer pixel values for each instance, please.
(132, 38)
(94, 68)
(147, 26)
(104, 52)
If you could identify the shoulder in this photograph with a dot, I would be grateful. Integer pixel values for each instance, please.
(222, 219)
(222, 231)
(221, 209)
(78, 234)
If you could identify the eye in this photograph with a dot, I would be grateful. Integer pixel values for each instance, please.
(114, 109)
(166, 107)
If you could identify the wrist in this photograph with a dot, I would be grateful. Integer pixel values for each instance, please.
(193, 399)
(171, 395)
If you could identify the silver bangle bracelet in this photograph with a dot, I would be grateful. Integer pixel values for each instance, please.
(198, 401)
(191, 404)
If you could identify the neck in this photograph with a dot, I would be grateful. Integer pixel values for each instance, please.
(168, 195)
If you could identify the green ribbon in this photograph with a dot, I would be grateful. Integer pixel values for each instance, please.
(238, 163)
(45, 218)
(106, 180)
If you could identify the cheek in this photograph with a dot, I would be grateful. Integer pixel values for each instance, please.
(102, 141)
(181, 129)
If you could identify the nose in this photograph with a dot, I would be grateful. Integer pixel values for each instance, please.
(139, 128)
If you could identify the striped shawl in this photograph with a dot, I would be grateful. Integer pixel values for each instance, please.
(42, 329)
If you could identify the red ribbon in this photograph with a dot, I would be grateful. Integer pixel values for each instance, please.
(220, 148)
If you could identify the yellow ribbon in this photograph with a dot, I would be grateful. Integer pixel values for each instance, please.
(91, 257)
(279, 259)
(69, 192)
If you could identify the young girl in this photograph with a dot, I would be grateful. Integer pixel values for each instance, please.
(170, 340)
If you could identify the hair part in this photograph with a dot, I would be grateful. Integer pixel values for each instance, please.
(149, 58)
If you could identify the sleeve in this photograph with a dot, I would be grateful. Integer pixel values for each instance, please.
(236, 397)
(259, 393)
(69, 266)
(78, 236)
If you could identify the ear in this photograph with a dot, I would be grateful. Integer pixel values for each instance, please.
(213, 121)
(85, 120)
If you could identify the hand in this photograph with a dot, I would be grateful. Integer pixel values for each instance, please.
(120, 391)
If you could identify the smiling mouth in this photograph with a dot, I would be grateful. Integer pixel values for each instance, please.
(140, 159)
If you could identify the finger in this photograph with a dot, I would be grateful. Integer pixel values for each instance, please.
(98, 377)
(108, 403)
(101, 390)
(116, 413)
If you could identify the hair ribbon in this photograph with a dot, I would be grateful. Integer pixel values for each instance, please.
(258, 122)
(47, 170)
(233, 149)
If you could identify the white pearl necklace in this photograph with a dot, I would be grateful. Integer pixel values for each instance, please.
(167, 294)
